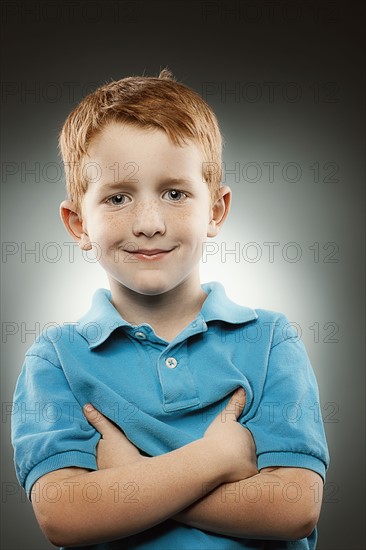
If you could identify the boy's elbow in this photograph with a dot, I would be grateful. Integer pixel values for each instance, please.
(299, 518)
(54, 538)
(63, 532)
(68, 536)
(64, 527)
(54, 530)
(300, 527)
(46, 525)
(61, 535)
(297, 522)
(307, 526)
(308, 514)
(60, 521)
(52, 520)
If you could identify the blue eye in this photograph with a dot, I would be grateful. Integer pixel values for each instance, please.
(176, 195)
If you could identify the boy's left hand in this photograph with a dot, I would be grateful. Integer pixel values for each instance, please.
(113, 449)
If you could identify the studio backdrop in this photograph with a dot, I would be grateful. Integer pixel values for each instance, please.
(286, 80)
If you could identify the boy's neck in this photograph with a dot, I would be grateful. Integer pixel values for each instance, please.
(167, 313)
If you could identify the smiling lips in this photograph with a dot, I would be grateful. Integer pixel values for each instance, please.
(152, 254)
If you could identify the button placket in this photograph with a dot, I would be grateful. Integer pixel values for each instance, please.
(177, 383)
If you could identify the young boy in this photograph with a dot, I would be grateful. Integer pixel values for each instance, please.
(205, 430)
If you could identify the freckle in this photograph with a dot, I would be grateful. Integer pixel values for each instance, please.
(182, 215)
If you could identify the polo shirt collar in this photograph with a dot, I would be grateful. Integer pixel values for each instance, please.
(218, 307)
(103, 318)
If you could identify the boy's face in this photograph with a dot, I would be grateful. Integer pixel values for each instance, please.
(147, 195)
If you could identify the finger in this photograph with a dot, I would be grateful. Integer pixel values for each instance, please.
(98, 420)
(235, 404)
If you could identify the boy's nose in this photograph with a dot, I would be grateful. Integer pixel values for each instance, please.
(148, 220)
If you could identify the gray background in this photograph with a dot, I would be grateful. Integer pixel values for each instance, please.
(286, 81)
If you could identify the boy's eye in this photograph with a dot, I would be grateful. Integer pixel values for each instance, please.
(176, 195)
(117, 200)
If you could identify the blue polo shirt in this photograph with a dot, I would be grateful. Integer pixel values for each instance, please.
(164, 395)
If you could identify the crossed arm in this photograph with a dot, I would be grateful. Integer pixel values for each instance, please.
(211, 484)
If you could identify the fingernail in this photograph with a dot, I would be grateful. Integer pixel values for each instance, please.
(88, 407)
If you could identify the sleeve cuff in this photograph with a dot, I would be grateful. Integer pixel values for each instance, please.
(55, 462)
(292, 460)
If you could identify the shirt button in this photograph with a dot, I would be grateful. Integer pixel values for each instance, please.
(171, 362)
(140, 335)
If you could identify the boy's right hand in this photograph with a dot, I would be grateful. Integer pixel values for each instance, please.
(114, 449)
(233, 441)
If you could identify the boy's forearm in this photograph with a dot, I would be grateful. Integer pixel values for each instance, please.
(265, 506)
(118, 502)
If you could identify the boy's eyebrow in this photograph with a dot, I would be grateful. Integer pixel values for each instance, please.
(131, 180)
(176, 181)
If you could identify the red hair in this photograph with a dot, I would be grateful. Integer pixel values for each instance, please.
(153, 102)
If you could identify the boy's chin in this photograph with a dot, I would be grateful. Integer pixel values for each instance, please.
(149, 288)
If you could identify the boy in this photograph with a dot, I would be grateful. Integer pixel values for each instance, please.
(204, 431)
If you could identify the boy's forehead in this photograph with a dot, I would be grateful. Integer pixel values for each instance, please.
(114, 127)
(115, 132)
(118, 144)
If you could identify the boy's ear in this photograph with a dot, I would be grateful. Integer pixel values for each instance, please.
(74, 224)
(219, 211)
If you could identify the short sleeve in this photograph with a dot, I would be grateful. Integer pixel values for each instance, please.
(49, 430)
(287, 426)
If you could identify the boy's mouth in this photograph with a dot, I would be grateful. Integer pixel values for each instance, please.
(150, 254)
